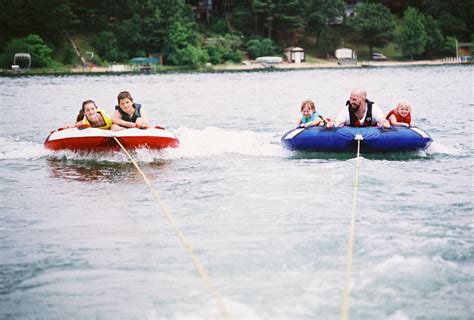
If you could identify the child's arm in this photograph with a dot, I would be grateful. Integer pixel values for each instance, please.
(299, 122)
(316, 122)
(117, 119)
(142, 122)
(394, 122)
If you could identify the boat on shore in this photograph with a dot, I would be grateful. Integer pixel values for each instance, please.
(343, 139)
(93, 139)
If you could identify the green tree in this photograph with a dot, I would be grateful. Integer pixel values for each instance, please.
(224, 48)
(107, 47)
(69, 55)
(319, 14)
(454, 17)
(192, 56)
(373, 23)
(254, 17)
(43, 17)
(32, 44)
(181, 45)
(412, 37)
(435, 39)
(263, 13)
(182, 48)
(289, 19)
(260, 47)
(450, 46)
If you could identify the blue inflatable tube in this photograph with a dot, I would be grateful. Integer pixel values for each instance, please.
(343, 139)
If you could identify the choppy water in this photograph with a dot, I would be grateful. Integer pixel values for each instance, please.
(82, 237)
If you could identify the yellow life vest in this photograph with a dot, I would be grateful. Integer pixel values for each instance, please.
(108, 121)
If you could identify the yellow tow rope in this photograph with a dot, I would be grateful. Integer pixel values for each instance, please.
(187, 246)
(350, 240)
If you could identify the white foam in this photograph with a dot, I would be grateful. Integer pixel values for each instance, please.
(194, 143)
(438, 147)
(210, 310)
(12, 148)
(214, 141)
(399, 315)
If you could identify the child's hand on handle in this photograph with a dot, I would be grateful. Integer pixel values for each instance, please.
(141, 124)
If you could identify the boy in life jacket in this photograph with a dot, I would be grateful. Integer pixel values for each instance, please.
(309, 115)
(91, 116)
(128, 114)
(401, 115)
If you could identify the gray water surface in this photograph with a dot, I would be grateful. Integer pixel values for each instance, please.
(82, 236)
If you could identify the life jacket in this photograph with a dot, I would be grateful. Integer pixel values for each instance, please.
(107, 120)
(126, 117)
(313, 116)
(399, 118)
(354, 121)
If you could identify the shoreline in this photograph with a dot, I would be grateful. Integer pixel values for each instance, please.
(245, 66)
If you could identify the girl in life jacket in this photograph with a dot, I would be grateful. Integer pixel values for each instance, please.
(309, 116)
(91, 116)
(401, 115)
(128, 114)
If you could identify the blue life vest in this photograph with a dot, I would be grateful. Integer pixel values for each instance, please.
(126, 117)
(313, 116)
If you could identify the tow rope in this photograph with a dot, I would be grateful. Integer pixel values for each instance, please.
(350, 238)
(187, 246)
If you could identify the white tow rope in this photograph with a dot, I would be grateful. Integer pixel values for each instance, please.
(350, 238)
(187, 246)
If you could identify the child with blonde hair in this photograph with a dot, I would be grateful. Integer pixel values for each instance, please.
(309, 115)
(400, 115)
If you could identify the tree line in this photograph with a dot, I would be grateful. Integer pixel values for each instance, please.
(120, 30)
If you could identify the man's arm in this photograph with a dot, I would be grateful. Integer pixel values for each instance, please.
(379, 117)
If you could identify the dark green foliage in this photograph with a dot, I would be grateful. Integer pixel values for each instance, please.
(373, 23)
(260, 47)
(322, 12)
(224, 48)
(328, 42)
(69, 56)
(412, 37)
(47, 18)
(181, 44)
(130, 28)
(32, 44)
(192, 56)
(454, 17)
(219, 25)
(450, 46)
(107, 47)
(435, 39)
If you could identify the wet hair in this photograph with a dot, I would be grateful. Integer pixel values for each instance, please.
(309, 103)
(80, 116)
(404, 104)
(124, 95)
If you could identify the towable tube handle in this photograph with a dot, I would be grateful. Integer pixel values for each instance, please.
(382, 129)
(159, 127)
(83, 126)
(143, 128)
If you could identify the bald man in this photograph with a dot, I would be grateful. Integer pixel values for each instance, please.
(360, 112)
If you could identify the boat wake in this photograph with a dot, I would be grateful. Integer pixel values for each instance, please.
(194, 143)
(213, 141)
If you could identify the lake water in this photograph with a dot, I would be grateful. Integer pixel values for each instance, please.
(83, 237)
